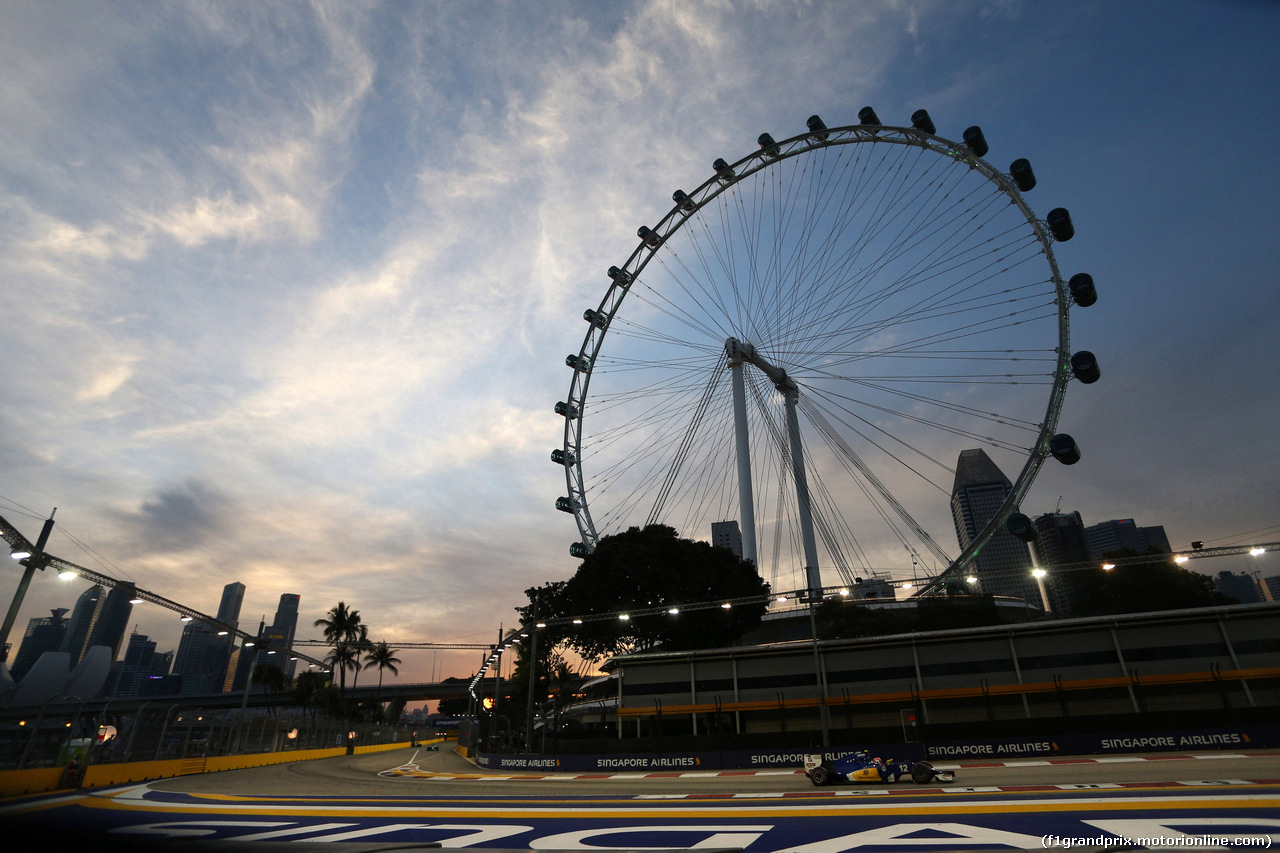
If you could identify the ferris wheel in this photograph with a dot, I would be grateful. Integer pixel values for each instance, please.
(807, 341)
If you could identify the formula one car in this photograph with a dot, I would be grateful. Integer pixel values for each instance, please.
(861, 767)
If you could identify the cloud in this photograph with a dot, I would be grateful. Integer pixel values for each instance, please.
(180, 517)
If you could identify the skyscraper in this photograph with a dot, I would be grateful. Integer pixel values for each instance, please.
(1269, 588)
(44, 634)
(1241, 587)
(283, 628)
(725, 534)
(1122, 534)
(138, 655)
(198, 660)
(1060, 540)
(83, 617)
(229, 608)
(1004, 565)
(108, 630)
(203, 655)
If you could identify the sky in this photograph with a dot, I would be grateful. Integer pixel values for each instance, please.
(287, 287)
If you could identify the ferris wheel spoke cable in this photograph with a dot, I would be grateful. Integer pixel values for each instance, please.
(939, 426)
(831, 395)
(678, 461)
(931, 304)
(848, 453)
(1035, 309)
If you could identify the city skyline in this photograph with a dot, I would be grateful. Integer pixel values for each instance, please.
(288, 289)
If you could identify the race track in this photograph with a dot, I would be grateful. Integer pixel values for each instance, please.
(1183, 801)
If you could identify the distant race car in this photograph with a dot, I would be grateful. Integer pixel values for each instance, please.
(861, 767)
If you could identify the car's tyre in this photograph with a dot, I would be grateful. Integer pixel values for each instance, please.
(922, 773)
(820, 776)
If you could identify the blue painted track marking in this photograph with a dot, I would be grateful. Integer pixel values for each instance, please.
(760, 823)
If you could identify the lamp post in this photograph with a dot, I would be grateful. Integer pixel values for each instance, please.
(533, 682)
(824, 713)
(32, 560)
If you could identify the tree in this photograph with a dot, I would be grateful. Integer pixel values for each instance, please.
(272, 679)
(307, 690)
(1159, 584)
(341, 657)
(383, 657)
(643, 569)
(341, 628)
(359, 640)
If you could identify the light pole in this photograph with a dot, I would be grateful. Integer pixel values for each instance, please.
(32, 560)
(533, 683)
(824, 713)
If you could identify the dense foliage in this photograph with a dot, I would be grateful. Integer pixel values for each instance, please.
(649, 568)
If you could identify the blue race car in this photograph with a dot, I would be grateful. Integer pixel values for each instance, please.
(862, 767)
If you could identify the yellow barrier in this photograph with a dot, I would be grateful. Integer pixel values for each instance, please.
(15, 783)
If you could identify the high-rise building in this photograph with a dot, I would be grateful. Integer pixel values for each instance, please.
(1004, 565)
(203, 655)
(200, 659)
(1269, 588)
(229, 608)
(1241, 587)
(44, 634)
(80, 625)
(281, 633)
(138, 665)
(108, 630)
(725, 534)
(1060, 541)
(1122, 534)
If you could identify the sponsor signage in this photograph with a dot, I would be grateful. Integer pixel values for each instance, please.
(993, 749)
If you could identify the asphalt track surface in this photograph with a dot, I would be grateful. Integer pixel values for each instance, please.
(412, 796)
(444, 772)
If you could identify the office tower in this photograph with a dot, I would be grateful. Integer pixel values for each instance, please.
(725, 534)
(220, 651)
(200, 659)
(44, 634)
(83, 617)
(1060, 541)
(1123, 534)
(1241, 587)
(229, 608)
(108, 630)
(138, 655)
(203, 655)
(281, 633)
(1004, 565)
(1269, 588)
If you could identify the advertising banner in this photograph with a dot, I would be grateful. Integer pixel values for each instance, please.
(983, 749)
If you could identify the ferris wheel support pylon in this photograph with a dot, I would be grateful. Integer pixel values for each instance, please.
(746, 502)
(744, 353)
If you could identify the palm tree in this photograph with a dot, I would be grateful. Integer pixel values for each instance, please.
(307, 688)
(273, 680)
(360, 643)
(383, 657)
(343, 657)
(342, 627)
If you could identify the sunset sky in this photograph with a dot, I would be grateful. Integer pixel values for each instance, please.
(286, 288)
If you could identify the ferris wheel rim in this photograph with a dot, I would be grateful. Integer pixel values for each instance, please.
(651, 244)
